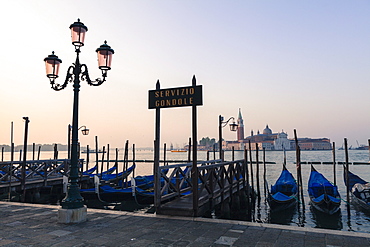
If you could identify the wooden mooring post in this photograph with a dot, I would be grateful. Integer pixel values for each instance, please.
(164, 154)
(102, 162)
(251, 165)
(33, 151)
(133, 159)
(23, 182)
(368, 143)
(87, 157)
(39, 153)
(264, 171)
(116, 162)
(108, 148)
(299, 170)
(194, 170)
(156, 171)
(189, 150)
(247, 178)
(96, 155)
(346, 173)
(334, 165)
(55, 151)
(258, 173)
(125, 163)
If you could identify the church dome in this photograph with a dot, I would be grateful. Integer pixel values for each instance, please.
(267, 131)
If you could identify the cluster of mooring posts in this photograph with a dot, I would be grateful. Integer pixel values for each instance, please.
(220, 185)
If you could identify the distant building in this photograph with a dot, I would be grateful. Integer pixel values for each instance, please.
(314, 144)
(272, 141)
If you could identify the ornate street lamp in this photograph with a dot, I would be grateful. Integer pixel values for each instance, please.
(75, 73)
(221, 124)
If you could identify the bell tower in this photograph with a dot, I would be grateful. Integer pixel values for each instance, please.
(240, 131)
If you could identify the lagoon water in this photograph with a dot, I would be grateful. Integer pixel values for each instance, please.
(356, 220)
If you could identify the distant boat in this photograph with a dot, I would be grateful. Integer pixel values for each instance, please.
(92, 151)
(362, 147)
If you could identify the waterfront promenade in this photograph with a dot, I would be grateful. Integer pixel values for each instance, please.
(36, 225)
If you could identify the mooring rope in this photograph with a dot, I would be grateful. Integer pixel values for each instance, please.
(133, 186)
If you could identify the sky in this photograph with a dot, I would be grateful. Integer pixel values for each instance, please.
(300, 65)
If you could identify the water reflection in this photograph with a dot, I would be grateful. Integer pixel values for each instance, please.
(284, 217)
(326, 221)
(258, 210)
(349, 225)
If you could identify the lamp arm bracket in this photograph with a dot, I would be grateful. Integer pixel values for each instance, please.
(86, 77)
(83, 126)
(69, 78)
(226, 122)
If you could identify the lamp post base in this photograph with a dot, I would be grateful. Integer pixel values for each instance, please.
(72, 216)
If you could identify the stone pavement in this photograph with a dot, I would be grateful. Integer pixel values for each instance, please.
(36, 225)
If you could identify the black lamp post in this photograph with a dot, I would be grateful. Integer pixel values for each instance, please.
(221, 124)
(75, 73)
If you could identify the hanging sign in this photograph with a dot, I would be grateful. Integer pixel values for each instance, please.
(175, 97)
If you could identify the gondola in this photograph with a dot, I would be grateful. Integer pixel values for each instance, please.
(144, 182)
(360, 190)
(324, 196)
(115, 177)
(147, 196)
(106, 193)
(109, 171)
(283, 194)
(90, 171)
(140, 188)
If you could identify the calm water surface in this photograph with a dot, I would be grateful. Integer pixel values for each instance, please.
(356, 220)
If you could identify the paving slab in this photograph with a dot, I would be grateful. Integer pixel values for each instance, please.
(36, 225)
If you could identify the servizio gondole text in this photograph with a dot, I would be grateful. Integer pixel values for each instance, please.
(175, 97)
